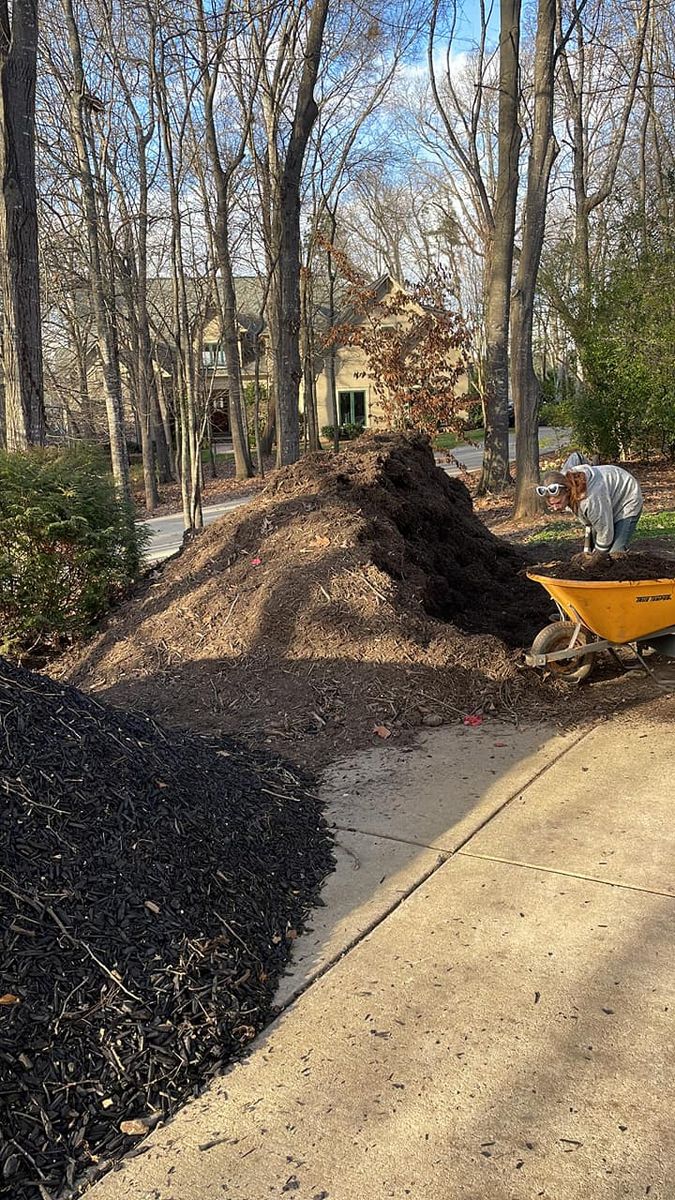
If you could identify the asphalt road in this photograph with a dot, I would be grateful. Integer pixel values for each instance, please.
(167, 532)
(471, 457)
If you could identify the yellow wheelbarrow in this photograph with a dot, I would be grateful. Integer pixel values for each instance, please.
(597, 616)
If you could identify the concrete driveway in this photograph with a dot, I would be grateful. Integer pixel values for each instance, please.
(484, 1006)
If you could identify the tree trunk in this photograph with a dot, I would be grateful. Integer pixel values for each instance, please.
(333, 413)
(228, 308)
(256, 407)
(272, 312)
(495, 476)
(22, 334)
(543, 150)
(242, 454)
(288, 350)
(308, 379)
(164, 417)
(112, 388)
(287, 229)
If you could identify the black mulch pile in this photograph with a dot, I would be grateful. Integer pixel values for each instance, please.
(151, 885)
(633, 566)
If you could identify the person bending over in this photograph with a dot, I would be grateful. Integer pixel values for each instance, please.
(607, 498)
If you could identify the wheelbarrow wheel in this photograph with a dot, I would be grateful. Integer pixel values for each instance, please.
(558, 637)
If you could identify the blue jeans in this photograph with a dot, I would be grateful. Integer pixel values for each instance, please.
(623, 532)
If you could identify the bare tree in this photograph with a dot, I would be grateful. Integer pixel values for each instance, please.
(80, 104)
(24, 417)
(543, 150)
(213, 52)
(600, 103)
(289, 54)
(496, 214)
(173, 112)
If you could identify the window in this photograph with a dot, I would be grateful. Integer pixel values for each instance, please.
(213, 355)
(352, 407)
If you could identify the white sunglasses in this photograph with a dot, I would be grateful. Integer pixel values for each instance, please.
(550, 489)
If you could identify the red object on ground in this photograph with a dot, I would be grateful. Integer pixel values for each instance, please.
(473, 720)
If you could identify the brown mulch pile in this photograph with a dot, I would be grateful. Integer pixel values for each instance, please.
(355, 592)
(633, 566)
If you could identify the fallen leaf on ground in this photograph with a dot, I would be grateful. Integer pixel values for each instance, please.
(382, 731)
(10, 998)
(134, 1128)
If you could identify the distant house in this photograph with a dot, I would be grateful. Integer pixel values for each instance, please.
(358, 400)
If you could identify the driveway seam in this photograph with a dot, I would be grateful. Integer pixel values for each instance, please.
(448, 851)
(528, 866)
(389, 837)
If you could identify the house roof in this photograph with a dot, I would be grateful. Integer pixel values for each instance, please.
(250, 295)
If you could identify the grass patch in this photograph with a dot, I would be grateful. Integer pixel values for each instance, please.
(652, 525)
(450, 441)
(206, 457)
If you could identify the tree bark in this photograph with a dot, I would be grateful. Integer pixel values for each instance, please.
(287, 229)
(524, 383)
(223, 175)
(22, 333)
(495, 476)
(112, 388)
(308, 384)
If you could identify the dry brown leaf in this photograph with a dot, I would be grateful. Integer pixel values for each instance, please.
(10, 998)
(382, 731)
(134, 1128)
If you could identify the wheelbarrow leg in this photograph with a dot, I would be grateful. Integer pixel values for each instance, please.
(646, 667)
(622, 666)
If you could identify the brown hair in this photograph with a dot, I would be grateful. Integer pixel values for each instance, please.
(576, 487)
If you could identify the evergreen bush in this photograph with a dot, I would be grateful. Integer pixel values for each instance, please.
(68, 545)
(347, 432)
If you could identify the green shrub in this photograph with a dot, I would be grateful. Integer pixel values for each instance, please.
(626, 346)
(68, 545)
(347, 432)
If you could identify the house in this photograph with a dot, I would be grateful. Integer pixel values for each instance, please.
(359, 400)
(74, 377)
(357, 397)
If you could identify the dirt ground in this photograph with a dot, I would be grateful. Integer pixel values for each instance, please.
(356, 594)
(356, 599)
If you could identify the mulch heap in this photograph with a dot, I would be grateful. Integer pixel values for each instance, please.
(151, 886)
(629, 568)
(358, 591)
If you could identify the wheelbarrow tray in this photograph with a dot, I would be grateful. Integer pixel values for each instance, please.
(617, 612)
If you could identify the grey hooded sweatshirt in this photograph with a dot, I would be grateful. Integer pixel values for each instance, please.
(612, 494)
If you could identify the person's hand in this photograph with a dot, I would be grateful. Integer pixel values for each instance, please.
(598, 559)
